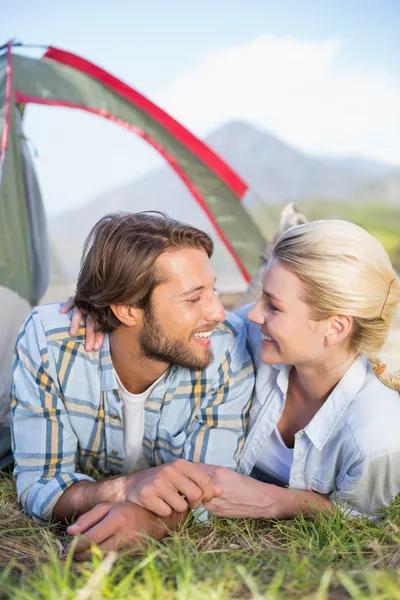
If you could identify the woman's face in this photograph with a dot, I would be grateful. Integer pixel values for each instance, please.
(289, 335)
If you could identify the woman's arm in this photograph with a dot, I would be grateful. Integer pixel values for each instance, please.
(243, 496)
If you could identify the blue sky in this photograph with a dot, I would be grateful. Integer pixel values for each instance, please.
(207, 62)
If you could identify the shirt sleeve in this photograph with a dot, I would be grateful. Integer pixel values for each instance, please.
(216, 434)
(44, 443)
(370, 485)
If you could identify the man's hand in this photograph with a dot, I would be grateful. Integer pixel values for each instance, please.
(176, 486)
(115, 526)
(93, 339)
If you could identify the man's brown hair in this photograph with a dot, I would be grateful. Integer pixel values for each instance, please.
(118, 261)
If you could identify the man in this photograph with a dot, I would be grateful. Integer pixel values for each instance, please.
(173, 380)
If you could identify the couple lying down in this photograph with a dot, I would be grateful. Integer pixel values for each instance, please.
(281, 409)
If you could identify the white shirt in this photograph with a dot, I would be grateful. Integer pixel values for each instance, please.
(133, 420)
(349, 451)
(276, 458)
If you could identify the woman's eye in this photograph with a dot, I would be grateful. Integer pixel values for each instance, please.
(193, 300)
(273, 307)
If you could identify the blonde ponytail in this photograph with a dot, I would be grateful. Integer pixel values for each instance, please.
(391, 381)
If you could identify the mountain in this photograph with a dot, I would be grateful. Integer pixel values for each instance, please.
(277, 172)
(386, 190)
(281, 174)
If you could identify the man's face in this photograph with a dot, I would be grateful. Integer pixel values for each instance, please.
(183, 311)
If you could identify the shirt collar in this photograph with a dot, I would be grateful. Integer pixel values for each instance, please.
(108, 380)
(325, 420)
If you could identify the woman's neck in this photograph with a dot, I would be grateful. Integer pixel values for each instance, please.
(316, 382)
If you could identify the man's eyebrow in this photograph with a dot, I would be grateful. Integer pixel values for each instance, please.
(195, 289)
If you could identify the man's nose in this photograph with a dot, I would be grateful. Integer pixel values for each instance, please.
(215, 310)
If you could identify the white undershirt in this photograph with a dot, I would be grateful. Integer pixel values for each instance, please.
(276, 458)
(133, 419)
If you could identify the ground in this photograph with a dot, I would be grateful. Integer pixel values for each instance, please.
(329, 557)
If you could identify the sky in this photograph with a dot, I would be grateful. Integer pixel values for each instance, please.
(323, 76)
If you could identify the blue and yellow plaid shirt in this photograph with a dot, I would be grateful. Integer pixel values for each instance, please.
(67, 413)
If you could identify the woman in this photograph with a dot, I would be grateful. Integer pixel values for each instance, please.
(326, 414)
(324, 424)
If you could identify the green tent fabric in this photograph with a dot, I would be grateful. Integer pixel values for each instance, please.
(61, 78)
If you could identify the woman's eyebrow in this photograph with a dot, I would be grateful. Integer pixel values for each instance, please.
(271, 296)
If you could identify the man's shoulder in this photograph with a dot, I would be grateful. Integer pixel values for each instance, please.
(232, 327)
(252, 331)
(229, 343)
(46, 322)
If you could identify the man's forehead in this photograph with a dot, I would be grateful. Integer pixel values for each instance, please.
(185, 269)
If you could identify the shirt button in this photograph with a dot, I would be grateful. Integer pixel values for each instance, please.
(114, 416)
(114, 452)
(296, 476)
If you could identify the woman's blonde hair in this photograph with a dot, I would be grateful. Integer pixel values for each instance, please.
(345, 270)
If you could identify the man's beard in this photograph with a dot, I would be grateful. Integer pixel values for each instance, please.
(156, 345)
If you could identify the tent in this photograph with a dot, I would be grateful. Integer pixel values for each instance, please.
(61, 78)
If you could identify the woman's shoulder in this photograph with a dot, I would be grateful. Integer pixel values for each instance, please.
(374, 416)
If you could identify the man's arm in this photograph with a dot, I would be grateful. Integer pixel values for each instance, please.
(44, 443)
(174, 487)
(82, 496)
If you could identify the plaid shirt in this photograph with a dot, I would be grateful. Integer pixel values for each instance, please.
(67, 413)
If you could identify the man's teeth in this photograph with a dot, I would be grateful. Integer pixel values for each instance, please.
(267, 338)
(203, 335)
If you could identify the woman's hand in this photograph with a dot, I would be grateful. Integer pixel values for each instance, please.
(244, 496)
(93, 339)
(241, 496)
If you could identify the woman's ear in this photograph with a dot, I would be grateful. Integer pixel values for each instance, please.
(128, 315)
(338, 329)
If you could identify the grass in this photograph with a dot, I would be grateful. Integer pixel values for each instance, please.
(329, 557)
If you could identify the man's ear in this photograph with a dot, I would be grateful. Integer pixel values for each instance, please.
(338, 329)
(128, 315)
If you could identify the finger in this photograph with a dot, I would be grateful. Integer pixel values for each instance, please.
(115, 542)
(75, 322)
(174, 500)
(198, 475)
(99, 340)
(154, 503)
(89, 519)
(90, 333)
(183, 487)
(214, 491)
(82, 556)
(66, 306)
(97, 534)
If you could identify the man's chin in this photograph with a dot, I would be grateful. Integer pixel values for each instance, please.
(198, 361)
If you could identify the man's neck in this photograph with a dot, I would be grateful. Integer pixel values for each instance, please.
(135, 371)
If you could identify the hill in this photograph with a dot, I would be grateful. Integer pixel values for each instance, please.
(278, 173)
